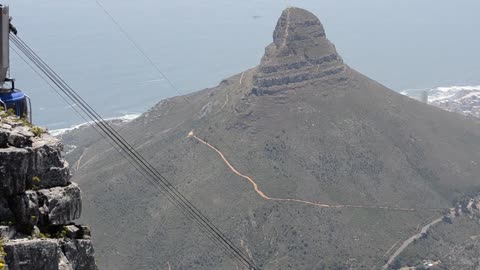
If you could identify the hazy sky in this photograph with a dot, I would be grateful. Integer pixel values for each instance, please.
(402, 44)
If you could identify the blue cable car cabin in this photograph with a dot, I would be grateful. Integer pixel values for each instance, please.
(16, 101)
(11, 99)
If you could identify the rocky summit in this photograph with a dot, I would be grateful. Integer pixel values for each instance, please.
(38, 203)
(300, 54)
(303, 162)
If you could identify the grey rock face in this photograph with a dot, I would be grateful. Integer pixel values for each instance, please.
(17, 139)
(49, 164)
(43, 160)
(14, 164)
(33, 254)
(50, 254)
(300, 53)
(38, 203)
(26, 208)
(61, 204)
(71, 231)
(63, 263)
(80, 254)
(3, 138)
(5, 212)
(54, 206)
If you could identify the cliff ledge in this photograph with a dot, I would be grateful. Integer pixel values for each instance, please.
(38, 203)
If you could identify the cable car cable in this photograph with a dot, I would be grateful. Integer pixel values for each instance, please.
(100, 121)
(185, 212)
(152, 172)
(103, 135)
(57, 83)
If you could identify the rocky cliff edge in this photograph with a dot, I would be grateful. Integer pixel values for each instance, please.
(38, 203)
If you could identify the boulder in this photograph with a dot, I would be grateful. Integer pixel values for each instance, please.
(54, 206)
(37, 254)
(20, 137)
(7, 232)
(60, 205)
(79, 253)
(55, 176)
(18, 140)
(72, 231)
(48, 164)
(86, 232)
(24, 131)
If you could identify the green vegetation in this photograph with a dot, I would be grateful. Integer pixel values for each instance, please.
(36, 182)
(2, 256)
(11, 112)
(62, 233)
(40, 235)
(37, 131)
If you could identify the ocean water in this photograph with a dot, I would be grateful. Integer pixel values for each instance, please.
(403, 44)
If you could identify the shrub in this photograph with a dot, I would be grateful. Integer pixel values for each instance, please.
(2, 256)
(37, 131)
(11, 112)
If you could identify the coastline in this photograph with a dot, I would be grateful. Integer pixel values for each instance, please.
(124, 118)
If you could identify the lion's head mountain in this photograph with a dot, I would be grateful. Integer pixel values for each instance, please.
(305, 127)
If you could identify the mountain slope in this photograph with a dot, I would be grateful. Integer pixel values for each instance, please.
(303, 126)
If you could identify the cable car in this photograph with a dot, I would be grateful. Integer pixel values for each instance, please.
(11, 99)
(15, 100)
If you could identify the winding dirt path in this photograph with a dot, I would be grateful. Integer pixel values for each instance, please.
(262, 194)
(390, 249)
(410, 240)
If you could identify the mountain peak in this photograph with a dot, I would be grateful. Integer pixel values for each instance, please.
(296, 24)
(300, 52)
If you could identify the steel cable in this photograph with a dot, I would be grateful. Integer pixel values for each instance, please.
(127, 151)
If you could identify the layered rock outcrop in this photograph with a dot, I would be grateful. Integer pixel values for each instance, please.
(38, 203)
(300, 53)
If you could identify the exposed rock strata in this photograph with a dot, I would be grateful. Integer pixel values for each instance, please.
(300, 53)
(38, 203)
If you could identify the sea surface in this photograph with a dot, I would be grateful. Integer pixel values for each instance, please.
(404, 44)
